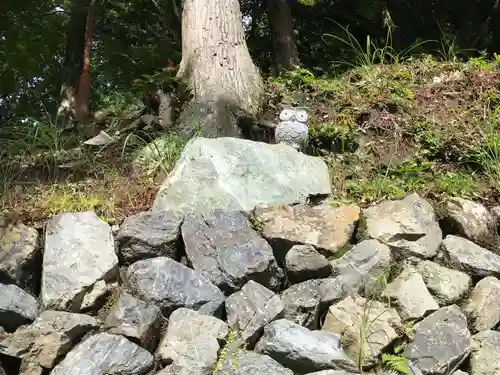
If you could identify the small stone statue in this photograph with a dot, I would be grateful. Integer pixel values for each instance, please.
(292, 128)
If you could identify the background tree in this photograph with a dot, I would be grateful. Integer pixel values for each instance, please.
(281, 23)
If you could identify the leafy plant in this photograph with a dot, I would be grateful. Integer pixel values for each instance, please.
(396, 363)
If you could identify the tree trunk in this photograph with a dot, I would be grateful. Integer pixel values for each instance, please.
(281, 25)
(73, 62)
(216, 66)
(82, 99)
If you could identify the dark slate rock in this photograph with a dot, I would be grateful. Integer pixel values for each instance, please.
(306, 302)
(16, 307)
(245, 362)
(79, 259)
(148, 235)
(171, 285)
(20, 257)
(183, 369)
(224, 247)
(137, 320)
(104, 354)
(250, 309)
(441, 343)
(303, 263)
(302, 350)
(49, 338)
(235, 362)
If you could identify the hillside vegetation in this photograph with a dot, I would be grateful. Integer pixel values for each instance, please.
(384, 130)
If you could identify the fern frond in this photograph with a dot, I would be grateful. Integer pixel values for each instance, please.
(396, 363)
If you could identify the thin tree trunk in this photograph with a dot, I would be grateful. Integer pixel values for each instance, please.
(281, 25)
(73, 62)
(82, 99)
(216, 66)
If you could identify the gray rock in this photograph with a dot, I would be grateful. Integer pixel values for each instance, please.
(103, 354)
(20, 257)
(250, 309)
(408, 226)
(495, 213)
(468, 219)
(244, 362)
(306, 302)
(192, 339)
(464, 255)
(302, 350)
(484, 359)
(79, 252)
(96, 294)
(16, 307)
(28, 368)
(446, 285)
(483, 307)
(460, 372)
(329, 229)
(149, 235)
(330, 372)
(191, 369)
(135, 319)
(224, 247)
(171, 285)
(49, 338)
(410, 295)
(441, 342)
(236, 174)
(351, 315)
(303, 263)
(363, 267)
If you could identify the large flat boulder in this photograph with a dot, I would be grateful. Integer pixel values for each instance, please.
(237, 174)
(79, 255)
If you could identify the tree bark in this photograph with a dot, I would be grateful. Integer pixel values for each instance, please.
(281, 25)
(73, 61)
(82, 99)
(216, 66)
